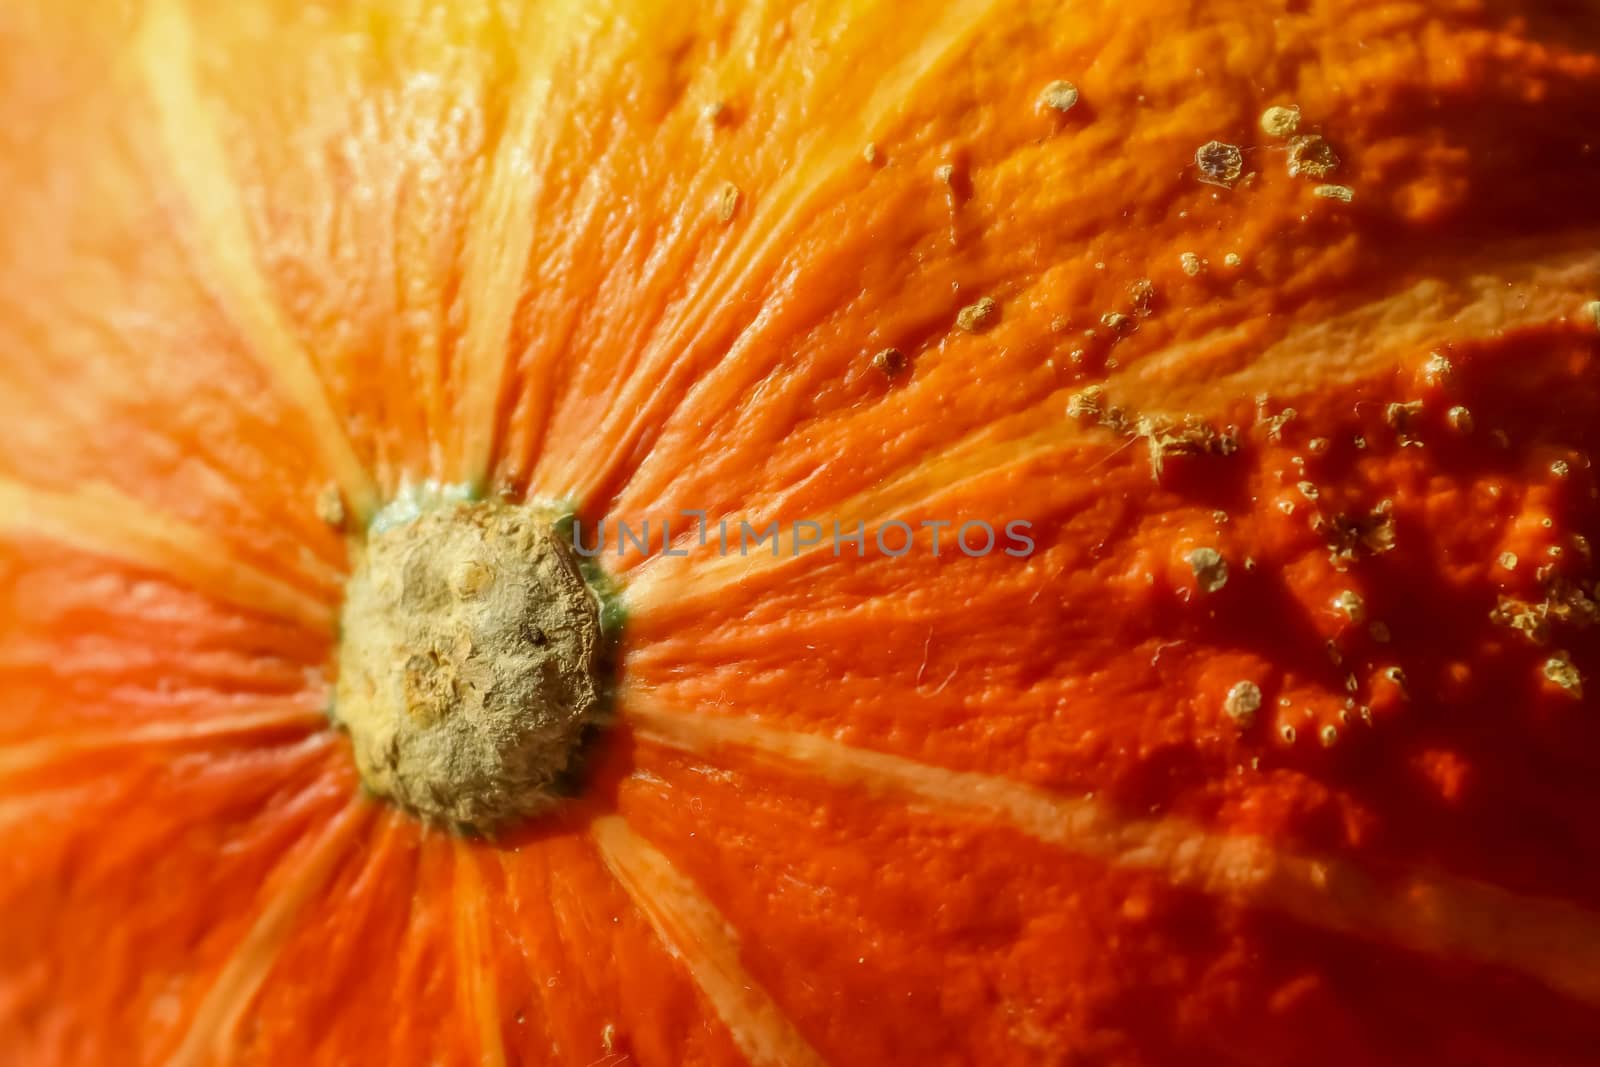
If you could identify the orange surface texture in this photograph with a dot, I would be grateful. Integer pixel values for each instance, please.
(636, 257)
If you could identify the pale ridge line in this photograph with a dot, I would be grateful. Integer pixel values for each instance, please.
(217, 1019)
(102, 521)
(1520, 285)
(758, 245)
(471, 918)
(15, 809)
(39, 753)
(1552, 942)
(500, 240)
(674, 583)
(1430, 310)
(166, 49)
(694, 931)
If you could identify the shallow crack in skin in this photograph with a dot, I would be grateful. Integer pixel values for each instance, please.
(468, 663)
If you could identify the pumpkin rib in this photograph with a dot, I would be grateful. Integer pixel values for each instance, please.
(1266, 294)
(375, 942)
(636, 318)
(211, 459)
(222, 241)
(102, 521)
(654, 384)
(1539, 288)
(694, 932)
(1551, 942)
(663, 588)
(629, 297)
(372, 289)
(475, 971)
(561, 906)
(89, 645)
(1513, 285)
(302, 876)
(1070, 672)
(499, 243)
(174, 818)
(975, 942)
(254, 724)
(28, 807)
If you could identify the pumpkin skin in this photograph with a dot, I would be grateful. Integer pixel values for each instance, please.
(892, 809)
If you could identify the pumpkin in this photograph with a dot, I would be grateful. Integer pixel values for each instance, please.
(636, 532)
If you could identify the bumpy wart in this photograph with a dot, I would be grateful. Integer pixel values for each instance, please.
(467, 667)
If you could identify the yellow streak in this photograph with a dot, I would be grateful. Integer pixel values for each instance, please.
(102, 521)
(790, 202)
(476, 973)
(1511, 287)
(165, 46)
(497, 251)
(1523, 289)
(696, 933)
(1549, 941)
(215, 1022)
(59, 802)
(36, 754)
(669, 584)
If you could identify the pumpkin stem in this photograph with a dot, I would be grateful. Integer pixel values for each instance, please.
(469, 662)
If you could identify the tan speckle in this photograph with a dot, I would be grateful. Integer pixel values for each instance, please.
(890, 361)
(1210, 569)
(1529, 620)
(1060, 96)
(1280, 122)
(1399, 415)
(977, 317)
(1232, 260)
(1311, 156)
(1460, 419)
(1559, 669)
(1350, 603)
(1219, 163)
(1438, 370)
(727, 201)
(870, 152)
(1143, 294)
(1508, 560)
(1086, 404)
(1191, 264)
(1276, 423)
(330, 507)
(1242, 703)
(1192, 436)
(1334, 192)
(945, 172)
(1592, 311)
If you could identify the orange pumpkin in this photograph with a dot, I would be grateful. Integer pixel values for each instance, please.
(334, 335)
